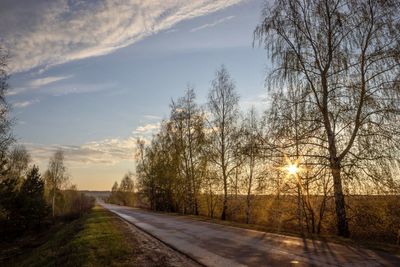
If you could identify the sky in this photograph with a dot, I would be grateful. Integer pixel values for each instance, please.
(90, 77)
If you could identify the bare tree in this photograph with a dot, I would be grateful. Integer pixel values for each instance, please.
(295, 137)
(115, 187)
(6, 138)
(344, 56)
(188, 121)
(125, 193)
(250, 149)
(210, 187)
(143, 172)
(56, 176)
(127, 184)
(223, 108)
(158, 170)
(18, 162)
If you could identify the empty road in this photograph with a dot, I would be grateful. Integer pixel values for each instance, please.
(218, 245)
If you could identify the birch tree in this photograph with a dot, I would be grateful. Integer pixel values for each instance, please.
(250, 149)
(6, 138)
(56, 176)
(188, 121)
(344, 55)
(223, 108)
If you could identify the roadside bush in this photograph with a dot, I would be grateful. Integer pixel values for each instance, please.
(73, 203)
(124, 193)
(122, 198)
(375, 218)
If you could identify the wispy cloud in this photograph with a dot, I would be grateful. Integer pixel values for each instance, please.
(45, 33)
(259, 102)
(147, 129)
(171, 30)
(146, 132)
(47, 80)
(107, 151)
(152, 117)
(80, 88)
(37, 83)
(210, 25)
(24, 104)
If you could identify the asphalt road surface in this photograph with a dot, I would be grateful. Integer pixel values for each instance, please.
(217, 245)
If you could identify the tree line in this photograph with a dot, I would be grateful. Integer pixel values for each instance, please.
(325, 147)
(29, 200)
(123, 194)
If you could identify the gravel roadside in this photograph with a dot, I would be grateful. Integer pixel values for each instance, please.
(149, 251)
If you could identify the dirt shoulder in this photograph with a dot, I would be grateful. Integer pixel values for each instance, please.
(149, 251)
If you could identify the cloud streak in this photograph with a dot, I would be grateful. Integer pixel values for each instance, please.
(59, 31)
(24, 104)
(37, 83)
(147, 129)
(47, 80)
(210, 25)
(107, 151)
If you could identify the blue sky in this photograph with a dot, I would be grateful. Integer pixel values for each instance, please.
(90, 77)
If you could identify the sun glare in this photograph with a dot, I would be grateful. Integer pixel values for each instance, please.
(292, 169)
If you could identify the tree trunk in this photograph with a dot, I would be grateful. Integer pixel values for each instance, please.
(321, 213)
(342, 226)
(224, 175)
(248, 207)
(225, 204)
(53, 205)
(299, 212)
(250, 185)
(211, 206)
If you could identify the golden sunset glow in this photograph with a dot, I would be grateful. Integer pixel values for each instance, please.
(140, 120)
(292, 169)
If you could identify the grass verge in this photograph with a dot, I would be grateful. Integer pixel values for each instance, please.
(92, 240)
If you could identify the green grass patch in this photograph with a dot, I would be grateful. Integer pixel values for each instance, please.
(92, 240)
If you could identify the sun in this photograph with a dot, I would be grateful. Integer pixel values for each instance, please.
(292, 169)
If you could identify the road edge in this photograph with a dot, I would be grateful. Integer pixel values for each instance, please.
(155, 237)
